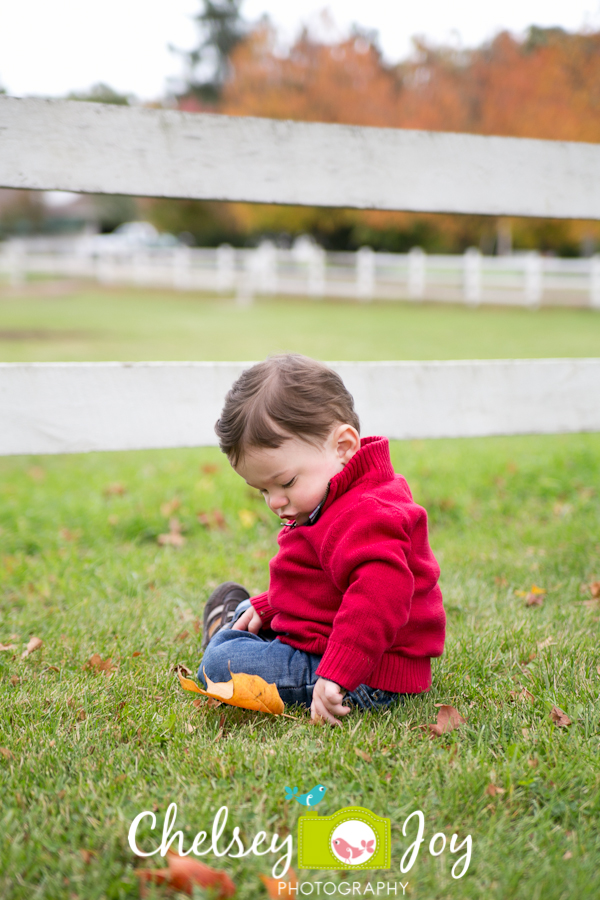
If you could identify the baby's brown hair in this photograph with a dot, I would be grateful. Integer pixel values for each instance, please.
(285, 396)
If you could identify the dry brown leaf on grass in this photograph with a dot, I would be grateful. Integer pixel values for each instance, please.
(560, 718)
(214, 519)
(594, 589)
(245, 691)
(167, 509)
(272, 885)
(34, 644)
(181, 669)
(524, 694)
(70, 534)
(183, 873)
(174, 536)
(448, 718)
(6, 753)
(6, 647)
(534, 596)
(210, 702)
(493, 790)
(116, 489)
(363, 754)
(96, 664)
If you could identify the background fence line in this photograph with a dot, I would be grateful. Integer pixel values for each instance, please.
(524, 279)
(90, 147)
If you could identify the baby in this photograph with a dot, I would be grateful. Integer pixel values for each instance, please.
(353, 613)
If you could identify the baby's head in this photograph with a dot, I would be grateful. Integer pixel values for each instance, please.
(288, 426)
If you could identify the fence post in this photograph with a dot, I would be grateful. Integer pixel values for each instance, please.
(225, 268)
(17, 263)
(266, 267)
(246, 280)
(416, 273)
(533, 279)
(316, 272)
(105, 268)
(472, 276)
(365, 273)
(595, 281)
(181, 268)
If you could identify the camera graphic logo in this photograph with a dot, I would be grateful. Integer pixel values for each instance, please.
(351, 838)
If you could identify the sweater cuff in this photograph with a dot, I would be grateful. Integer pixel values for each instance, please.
(345, 665)
(263, 607)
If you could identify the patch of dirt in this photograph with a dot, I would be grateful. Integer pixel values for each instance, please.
(43, 334)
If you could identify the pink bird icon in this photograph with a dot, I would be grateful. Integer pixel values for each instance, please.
(346, 851)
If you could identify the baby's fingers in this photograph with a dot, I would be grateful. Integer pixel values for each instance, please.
(242, 623)
(255, 623)
(319, 713)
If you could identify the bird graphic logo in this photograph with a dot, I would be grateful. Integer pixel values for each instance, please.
(310, 798)
(347, 852)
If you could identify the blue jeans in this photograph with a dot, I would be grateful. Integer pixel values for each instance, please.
(293, 671)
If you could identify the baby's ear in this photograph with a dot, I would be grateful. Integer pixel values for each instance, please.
(347, 442)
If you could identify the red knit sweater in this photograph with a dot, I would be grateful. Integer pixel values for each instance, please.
(359, 586)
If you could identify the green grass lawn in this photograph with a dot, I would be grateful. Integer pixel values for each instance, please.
(94, 324)
(81, 568)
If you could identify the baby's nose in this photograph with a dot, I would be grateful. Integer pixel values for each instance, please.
(277, 501)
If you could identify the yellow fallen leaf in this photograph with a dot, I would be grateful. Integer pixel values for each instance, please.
(247, 517)
(245, 691)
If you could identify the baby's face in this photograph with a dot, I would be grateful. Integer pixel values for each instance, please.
(293, 478)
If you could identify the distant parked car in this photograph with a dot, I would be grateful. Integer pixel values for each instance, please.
(127, 238)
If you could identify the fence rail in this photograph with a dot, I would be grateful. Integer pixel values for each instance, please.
(77, 407)
(97, 148)
(524, 279)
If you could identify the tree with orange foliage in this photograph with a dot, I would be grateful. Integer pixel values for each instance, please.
(543, 87)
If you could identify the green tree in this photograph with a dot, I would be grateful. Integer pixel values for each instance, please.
(101, 93)
(221, 28)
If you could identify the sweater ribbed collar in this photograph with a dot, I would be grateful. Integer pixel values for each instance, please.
(370, 463)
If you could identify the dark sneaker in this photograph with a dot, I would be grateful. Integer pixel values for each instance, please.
(220, 608)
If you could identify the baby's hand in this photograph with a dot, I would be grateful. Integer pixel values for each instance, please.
(327, 702)
(248, 621)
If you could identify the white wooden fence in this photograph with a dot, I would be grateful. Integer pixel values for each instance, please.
(48, 145)
(522, 279)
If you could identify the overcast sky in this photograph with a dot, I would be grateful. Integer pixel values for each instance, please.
(51, 47)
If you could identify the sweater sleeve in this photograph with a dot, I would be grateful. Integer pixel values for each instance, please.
(367, 558)
(263, 607)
